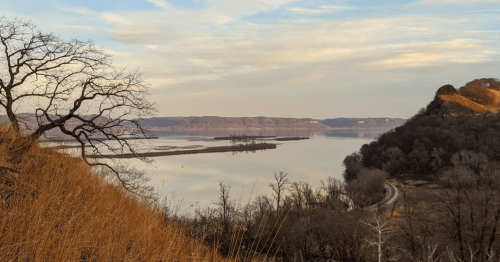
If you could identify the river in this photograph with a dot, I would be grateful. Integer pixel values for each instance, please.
(193, 180)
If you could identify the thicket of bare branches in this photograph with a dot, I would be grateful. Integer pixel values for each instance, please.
(478, 93)
(456, 221)
(70, 88)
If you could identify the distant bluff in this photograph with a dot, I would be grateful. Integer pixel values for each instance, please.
(216, 122)
(268, 123)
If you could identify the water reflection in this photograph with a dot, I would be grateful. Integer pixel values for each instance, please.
(353, 134)
(195, 178)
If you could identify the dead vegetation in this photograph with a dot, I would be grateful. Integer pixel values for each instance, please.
(54, 208)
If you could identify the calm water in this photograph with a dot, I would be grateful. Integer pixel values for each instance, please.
(194, 179)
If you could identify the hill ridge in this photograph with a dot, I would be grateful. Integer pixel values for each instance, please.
(269, 123)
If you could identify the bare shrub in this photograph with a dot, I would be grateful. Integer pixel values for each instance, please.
(477, 93)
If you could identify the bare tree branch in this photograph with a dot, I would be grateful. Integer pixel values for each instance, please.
(74, 90)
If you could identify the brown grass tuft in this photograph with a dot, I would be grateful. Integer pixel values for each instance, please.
(54, 208)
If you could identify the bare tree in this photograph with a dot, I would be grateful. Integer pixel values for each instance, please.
(280, 185)
(71, 88)
(429, 252)
(381, 225)
(224, 203)
(472, 206)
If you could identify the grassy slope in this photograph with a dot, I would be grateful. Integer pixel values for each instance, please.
(476, 107)
(56, 209)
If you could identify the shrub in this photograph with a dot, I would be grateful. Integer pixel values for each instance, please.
(368, 188)
(447, 90)
(353, 164)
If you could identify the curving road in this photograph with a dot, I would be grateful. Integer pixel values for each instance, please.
(390, 197)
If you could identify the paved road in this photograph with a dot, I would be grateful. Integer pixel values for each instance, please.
(390, 197)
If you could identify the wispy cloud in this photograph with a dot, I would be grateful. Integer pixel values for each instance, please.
(110, 17)
(324, 9)
(247, 47)
(222, 53)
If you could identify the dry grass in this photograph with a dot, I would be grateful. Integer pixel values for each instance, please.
(53, 208)
(465, 102)
(497, 96)
(476, 107)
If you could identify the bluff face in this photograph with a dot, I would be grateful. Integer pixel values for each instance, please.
(267, 123)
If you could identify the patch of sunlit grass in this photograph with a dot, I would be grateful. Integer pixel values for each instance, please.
(54, 208)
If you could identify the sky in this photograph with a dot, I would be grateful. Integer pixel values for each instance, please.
(284, 58)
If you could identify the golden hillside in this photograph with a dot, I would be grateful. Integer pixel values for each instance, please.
(54, 208)
(454, 101)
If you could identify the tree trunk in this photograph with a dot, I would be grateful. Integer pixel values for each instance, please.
(12, 118)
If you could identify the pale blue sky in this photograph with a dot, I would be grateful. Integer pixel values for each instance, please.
(285, 58)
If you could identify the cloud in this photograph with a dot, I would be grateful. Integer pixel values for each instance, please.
(433, 53)
(216, 55)
(322, 10)
(193, 50)
(111, 17)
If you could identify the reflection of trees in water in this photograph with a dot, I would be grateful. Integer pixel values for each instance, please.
(246, 151)
(236, 132)
(354, 134)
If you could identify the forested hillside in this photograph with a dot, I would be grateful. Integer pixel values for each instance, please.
(457, 124)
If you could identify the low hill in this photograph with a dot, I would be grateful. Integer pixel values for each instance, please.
(53, 207)
(456, 123)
